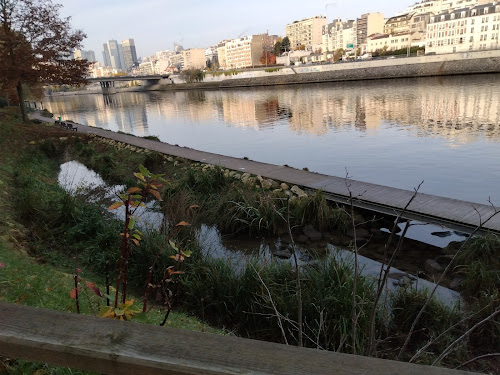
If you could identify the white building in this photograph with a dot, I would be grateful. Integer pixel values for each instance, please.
(338, 34)
(464, 30)
(307, 32)
(391, 42)
(440, 6)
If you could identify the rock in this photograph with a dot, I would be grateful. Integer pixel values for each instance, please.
(277, 191)
(452, 248)
(432, 267)
(360, 232)
(456, 282)
(444, 260)
(245, 176)
(266, 184)
(283, 254)
(312, 233)
(442, 234)
(176, 163)
(232, 173)
(302, 239)
(298, 191)
(259, 177)
(170, 159)
(285, 186)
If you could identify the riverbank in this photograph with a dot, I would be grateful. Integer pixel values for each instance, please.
(215, 288)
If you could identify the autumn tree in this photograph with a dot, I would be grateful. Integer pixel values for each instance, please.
(36, 47)
(267, 58)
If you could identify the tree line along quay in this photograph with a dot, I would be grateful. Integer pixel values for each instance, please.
(69, 252)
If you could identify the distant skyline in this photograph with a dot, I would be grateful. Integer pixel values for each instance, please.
(155, 24)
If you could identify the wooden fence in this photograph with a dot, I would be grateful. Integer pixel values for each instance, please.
(114, 347)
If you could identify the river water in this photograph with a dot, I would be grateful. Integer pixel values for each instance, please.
(441, 130)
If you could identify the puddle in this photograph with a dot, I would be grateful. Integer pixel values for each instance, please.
(75, 178)
(430, 234)
(397, 278)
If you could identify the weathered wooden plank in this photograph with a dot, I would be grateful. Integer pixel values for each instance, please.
(115, 347)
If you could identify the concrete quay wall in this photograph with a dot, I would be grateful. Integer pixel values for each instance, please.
(423, 66)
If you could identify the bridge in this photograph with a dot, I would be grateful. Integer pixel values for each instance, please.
(108, 83)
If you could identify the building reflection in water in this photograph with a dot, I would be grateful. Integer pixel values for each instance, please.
(460, 109)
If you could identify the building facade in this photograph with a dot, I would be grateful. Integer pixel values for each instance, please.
(307, 32)
(440, 6)
(194, 58)
(368, 24)
(84, 55)
(464, 30)
(390, 42)
(245, 52)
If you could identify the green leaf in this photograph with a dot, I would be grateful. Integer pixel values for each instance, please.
(131, 223)
(172, 243)
(140, 176)
(135, 235)
(144, 170)
(187, 253)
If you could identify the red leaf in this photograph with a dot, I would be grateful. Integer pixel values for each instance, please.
(156, 194)
(182, 224)
(94, 289)
(115, 205)
(78, 270)
(2, 265)
(72, 293)
(134, 190)
(193, 206)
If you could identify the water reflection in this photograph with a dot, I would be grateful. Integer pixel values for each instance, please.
(446, 130)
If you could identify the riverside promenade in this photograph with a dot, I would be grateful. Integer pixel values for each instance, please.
(453, 213)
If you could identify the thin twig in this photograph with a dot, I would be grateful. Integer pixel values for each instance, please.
(437, 284)
(477, 358)
(278, 315)
(452, 345)
(297, 273)
(383, 278)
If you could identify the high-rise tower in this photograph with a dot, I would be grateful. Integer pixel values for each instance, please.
(129, 53)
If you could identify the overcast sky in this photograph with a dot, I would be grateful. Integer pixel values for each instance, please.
(156, 24)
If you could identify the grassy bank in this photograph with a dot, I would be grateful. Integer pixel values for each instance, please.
(34, 269)
(252, 299)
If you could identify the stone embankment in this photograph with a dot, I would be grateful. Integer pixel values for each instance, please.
(412, 67)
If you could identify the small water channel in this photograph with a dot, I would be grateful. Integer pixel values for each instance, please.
(76, 178)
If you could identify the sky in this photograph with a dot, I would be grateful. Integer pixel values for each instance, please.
(156, 25)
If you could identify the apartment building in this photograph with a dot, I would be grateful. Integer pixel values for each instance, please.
(194, 58)
(177, 61)
(464, 30)
(307, 32)
(440, 6)
(368, 24)
(390, 42)
(398, 24)
(245, 52)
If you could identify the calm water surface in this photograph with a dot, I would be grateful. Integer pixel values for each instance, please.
(445, 131)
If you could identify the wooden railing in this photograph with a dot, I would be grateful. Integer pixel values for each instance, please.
(114, 347)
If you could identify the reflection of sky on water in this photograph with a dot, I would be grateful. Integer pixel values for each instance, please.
(444, 131)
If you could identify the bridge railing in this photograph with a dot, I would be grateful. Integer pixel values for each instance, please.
(114, 347)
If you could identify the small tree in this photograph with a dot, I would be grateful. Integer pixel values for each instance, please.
(36, 46)
(277, 48)
(285, 44)
(267, 58)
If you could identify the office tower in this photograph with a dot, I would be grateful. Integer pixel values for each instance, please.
(129, 53)
(113, 55)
